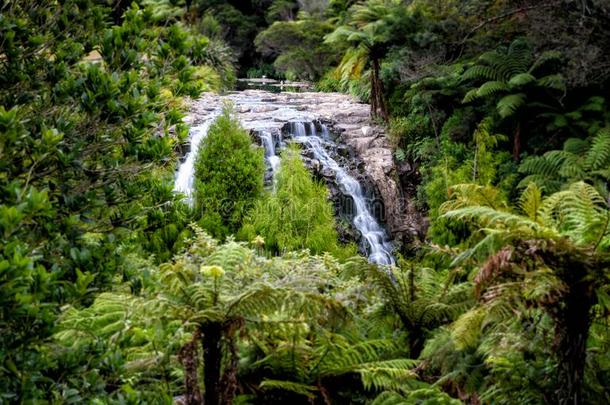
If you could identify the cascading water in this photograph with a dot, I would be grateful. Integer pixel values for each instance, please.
(270, 155)
(378, 246)
(186, 172)
(267, 118)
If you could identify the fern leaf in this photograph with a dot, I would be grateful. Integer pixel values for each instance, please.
(531, 201)
(598, 156)
(521, 79)
(555, 82)
(298, 388)
(480, 72)
(491, 88)
(508, 105)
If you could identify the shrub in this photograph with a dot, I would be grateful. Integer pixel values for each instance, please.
(229, 174)
(298, 215)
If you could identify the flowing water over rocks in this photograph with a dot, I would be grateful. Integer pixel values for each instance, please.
(340, 145)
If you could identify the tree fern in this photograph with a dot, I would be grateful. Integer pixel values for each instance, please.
(578, 161)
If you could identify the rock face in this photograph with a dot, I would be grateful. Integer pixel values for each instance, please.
(347, 118)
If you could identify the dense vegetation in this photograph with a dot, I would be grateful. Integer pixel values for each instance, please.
(113, 290)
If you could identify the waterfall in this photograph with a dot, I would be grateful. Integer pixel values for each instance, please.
(378, 247)
(186, 172)
(273, 160)
(298, 129)
(266, 118)
(312, 129)
(325, 134)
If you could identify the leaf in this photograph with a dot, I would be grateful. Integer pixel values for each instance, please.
(297, 388)
(508, 105)
(521, 79)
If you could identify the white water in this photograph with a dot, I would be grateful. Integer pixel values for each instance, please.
(374, 237)
(379, 248)
(186, 171)
(270, 155)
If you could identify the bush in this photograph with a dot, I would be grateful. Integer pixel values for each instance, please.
(229, 174)
(298, 215)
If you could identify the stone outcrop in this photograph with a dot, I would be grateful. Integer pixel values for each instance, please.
(346, 117)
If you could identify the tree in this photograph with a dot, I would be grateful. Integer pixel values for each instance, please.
(371, 28)
(553, 255)
(83, 165)
(297, 215)
(514, 81)
(298, 47)
(422, 298)
(229, 175)
(579, 160)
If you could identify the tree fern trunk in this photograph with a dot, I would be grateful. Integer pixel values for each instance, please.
(378, 104)
(189, 357)
(517, 142)
(212, 361)
(572, 330)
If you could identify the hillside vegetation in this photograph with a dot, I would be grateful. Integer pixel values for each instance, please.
(113, 290)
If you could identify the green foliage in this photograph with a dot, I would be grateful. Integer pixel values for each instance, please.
(298, 47)
(297, 215)
(229, 173)
(538, 260)
(580, 160)
(83, 175)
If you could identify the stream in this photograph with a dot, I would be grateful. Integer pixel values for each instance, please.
(274, 121)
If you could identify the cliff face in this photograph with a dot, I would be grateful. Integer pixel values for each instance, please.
(352, 121)
(348, 119)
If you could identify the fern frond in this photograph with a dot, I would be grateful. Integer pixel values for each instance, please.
(554, 82)
(491, 88)
(545, 59)
(580, 211)
(598, 156)
(521, 79)
(480, 72)
(290, 386)
(530, 201)
(508, 105)
(387, 374)
(465, 195)
(576, 146)
(466, 330)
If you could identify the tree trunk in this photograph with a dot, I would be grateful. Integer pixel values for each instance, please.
(212, 361)
(517, 142)
(572, 330)
(118, 8)
(378, 104)
(189, 357)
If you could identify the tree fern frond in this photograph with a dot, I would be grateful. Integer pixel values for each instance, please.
(480, 72)
(491, 88)
(466, 330)
(555, 82)
(598, 156)
(576, 146)
(545, 59)
(470, 96)
(530, 201)
(465, 195)
(521, 79)
(387, 374)
(390, 398)
(301, 389)
(508, 105)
